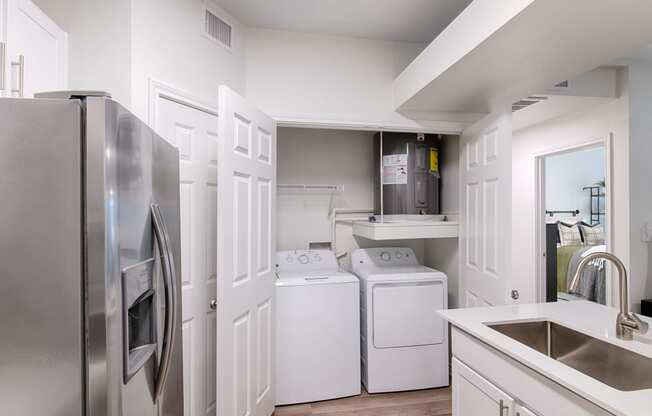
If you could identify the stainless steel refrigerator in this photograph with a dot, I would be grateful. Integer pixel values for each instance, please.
(90, 301)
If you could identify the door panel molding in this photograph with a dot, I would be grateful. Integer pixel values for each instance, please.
(246, 279)
(486, 206)
(193, 129)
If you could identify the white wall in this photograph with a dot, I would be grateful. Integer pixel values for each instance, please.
(321, 157)
(565, 176)
(443, 254)
(168, 46)
(640, 174)
(594, 123)
(327, 78)
(333, 157)
(99, 36)
(119, 45)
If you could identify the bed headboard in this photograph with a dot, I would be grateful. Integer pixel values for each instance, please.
(552, 238)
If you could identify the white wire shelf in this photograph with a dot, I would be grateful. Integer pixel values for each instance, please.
(308, 188)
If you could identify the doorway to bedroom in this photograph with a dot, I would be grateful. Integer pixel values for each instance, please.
(573, 219)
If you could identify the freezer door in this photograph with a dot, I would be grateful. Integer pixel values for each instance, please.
(41, 359)
(134, 297)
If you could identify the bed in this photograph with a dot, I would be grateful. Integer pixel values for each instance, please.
(562, 259)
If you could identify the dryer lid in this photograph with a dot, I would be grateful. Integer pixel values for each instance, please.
(419, 273)
(395, 263)
(405, 314)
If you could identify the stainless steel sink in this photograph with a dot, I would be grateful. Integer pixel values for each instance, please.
(614, 366)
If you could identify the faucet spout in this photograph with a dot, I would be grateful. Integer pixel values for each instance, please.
(627, 323)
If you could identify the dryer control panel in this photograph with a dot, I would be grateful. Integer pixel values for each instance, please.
(306, 260)
(385, 257)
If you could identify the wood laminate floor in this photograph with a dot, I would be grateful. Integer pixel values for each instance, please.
(435, 402)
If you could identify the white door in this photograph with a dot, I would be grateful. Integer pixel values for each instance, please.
(485, 210)
(246, 243)
(194, 132)
(37, 51)
(473, 395)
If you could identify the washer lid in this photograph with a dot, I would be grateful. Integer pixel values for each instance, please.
(295, 278)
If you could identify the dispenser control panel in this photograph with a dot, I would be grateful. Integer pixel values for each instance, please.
(299, 260)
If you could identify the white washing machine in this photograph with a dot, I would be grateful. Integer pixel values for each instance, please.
(317, 328)
(404, 342)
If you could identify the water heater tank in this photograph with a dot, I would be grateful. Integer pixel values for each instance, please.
(409, 170)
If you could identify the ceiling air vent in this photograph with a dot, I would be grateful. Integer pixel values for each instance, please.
(218, 30)
(526, 102)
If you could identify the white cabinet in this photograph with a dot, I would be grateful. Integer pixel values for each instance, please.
(35, 54)
(488, 383)
(473, 395)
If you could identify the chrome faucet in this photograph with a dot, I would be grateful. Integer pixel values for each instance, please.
(627, 322)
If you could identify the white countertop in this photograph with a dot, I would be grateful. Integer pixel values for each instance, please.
(587, 317)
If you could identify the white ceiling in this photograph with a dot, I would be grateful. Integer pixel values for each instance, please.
(394, 20)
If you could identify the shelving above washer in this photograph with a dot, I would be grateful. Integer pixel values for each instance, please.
(408, 227)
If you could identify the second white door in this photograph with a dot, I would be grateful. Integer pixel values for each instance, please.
(485, 211)
(194, 133)
(246, 243)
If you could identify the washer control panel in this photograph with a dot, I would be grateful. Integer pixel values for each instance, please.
(306, 260)
(385, 256)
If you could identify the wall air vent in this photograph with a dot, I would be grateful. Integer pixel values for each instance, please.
(526, 102)
(563, 84)
(217, 29)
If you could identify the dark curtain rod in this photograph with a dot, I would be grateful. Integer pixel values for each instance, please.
(575, 212)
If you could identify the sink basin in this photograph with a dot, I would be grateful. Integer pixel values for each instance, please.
(614, 366)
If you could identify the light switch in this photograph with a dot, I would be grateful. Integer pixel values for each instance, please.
(646, 233)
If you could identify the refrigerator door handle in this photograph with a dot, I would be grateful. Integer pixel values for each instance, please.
(171, 302)
(20, 63)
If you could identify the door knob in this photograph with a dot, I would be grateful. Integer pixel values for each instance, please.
(213, 304)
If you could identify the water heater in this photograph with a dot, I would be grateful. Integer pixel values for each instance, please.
(407, 166)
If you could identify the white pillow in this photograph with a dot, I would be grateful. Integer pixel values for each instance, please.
(593, 234)
(569, 235)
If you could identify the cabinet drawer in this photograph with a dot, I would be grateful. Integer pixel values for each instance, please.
(534, 391)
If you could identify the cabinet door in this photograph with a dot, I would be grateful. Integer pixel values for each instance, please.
(37, 51)
(473, 395)
(520, 410)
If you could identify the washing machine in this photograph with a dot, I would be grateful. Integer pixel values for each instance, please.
(317, 328)
(404, 342)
